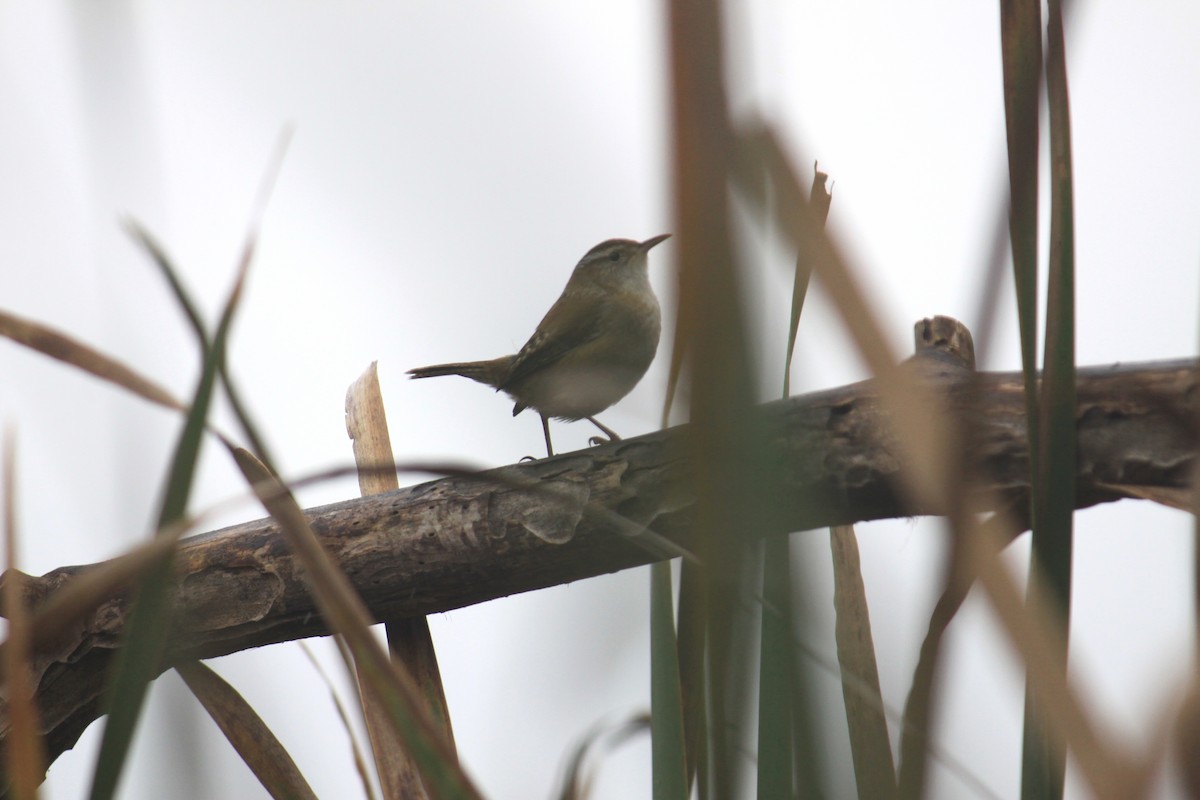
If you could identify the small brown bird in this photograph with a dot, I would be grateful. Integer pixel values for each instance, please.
(592, 347)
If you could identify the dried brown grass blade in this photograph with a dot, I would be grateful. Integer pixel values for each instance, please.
(366, 424)
(345, 613)
(925, 448)
(577, 784)
(254, 741)
(1103, 765)
(922, 439)
(60, 346)
(360, 762)
(870, 746)
(409, 639)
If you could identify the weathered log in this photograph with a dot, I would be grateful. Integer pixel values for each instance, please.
(448, 543)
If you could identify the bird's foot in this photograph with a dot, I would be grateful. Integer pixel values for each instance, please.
(596, 441)
(609, 434)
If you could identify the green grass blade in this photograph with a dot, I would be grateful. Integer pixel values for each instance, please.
(1058, 399)
(159, 256)
(775, 674)
(1044, 759)
(669, 764)
(138, 661)
(161, 260)
(690, 632)
(785, 754)
(1021, 55)
(819, 200)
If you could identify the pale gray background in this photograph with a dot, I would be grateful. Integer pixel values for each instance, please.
(450, 164)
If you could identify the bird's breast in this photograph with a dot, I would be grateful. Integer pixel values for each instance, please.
(597, 373)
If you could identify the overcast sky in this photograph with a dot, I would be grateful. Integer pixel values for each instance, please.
(450, 164)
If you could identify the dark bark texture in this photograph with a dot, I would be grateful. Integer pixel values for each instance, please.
(466, 539)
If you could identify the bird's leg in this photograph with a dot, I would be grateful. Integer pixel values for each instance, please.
(546, 432)
(609, 432)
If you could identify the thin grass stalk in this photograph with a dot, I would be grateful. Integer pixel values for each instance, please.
(58, 345)
(721, 378)
(345, 613)
(1044, 756)
(919, 707)
(1021, 51)
(925, 440)
(356, 751)
(257, 745)
(776, 772)
(819, 200)
(191, 311)
(669, 779)
(1021, 61)
(137, 662)
(409, 640)
(1105, 768)
(602, 739)
(691, 646)
(870, 745)
(787, 755)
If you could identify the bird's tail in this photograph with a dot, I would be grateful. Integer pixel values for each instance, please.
(492, 373)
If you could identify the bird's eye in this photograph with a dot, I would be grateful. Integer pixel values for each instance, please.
(614, 256)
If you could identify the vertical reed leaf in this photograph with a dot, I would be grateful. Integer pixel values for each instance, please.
(1044, 757)
(409, 640)
(1021, 58)
(786, 755)
(669, 767)
(725, 451)
(819, 200)
(137, 662)
(870, 746)
(776, 671)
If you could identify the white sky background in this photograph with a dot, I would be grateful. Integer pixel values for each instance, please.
(451, 163)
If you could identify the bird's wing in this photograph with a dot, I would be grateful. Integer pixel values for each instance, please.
(558, 334)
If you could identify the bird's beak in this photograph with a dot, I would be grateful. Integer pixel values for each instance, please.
(646, 245)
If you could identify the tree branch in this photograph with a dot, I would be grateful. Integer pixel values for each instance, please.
(468, 539)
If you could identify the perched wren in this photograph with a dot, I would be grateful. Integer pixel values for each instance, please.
(592, 347)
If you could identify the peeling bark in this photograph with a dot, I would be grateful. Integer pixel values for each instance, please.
(467, 539)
